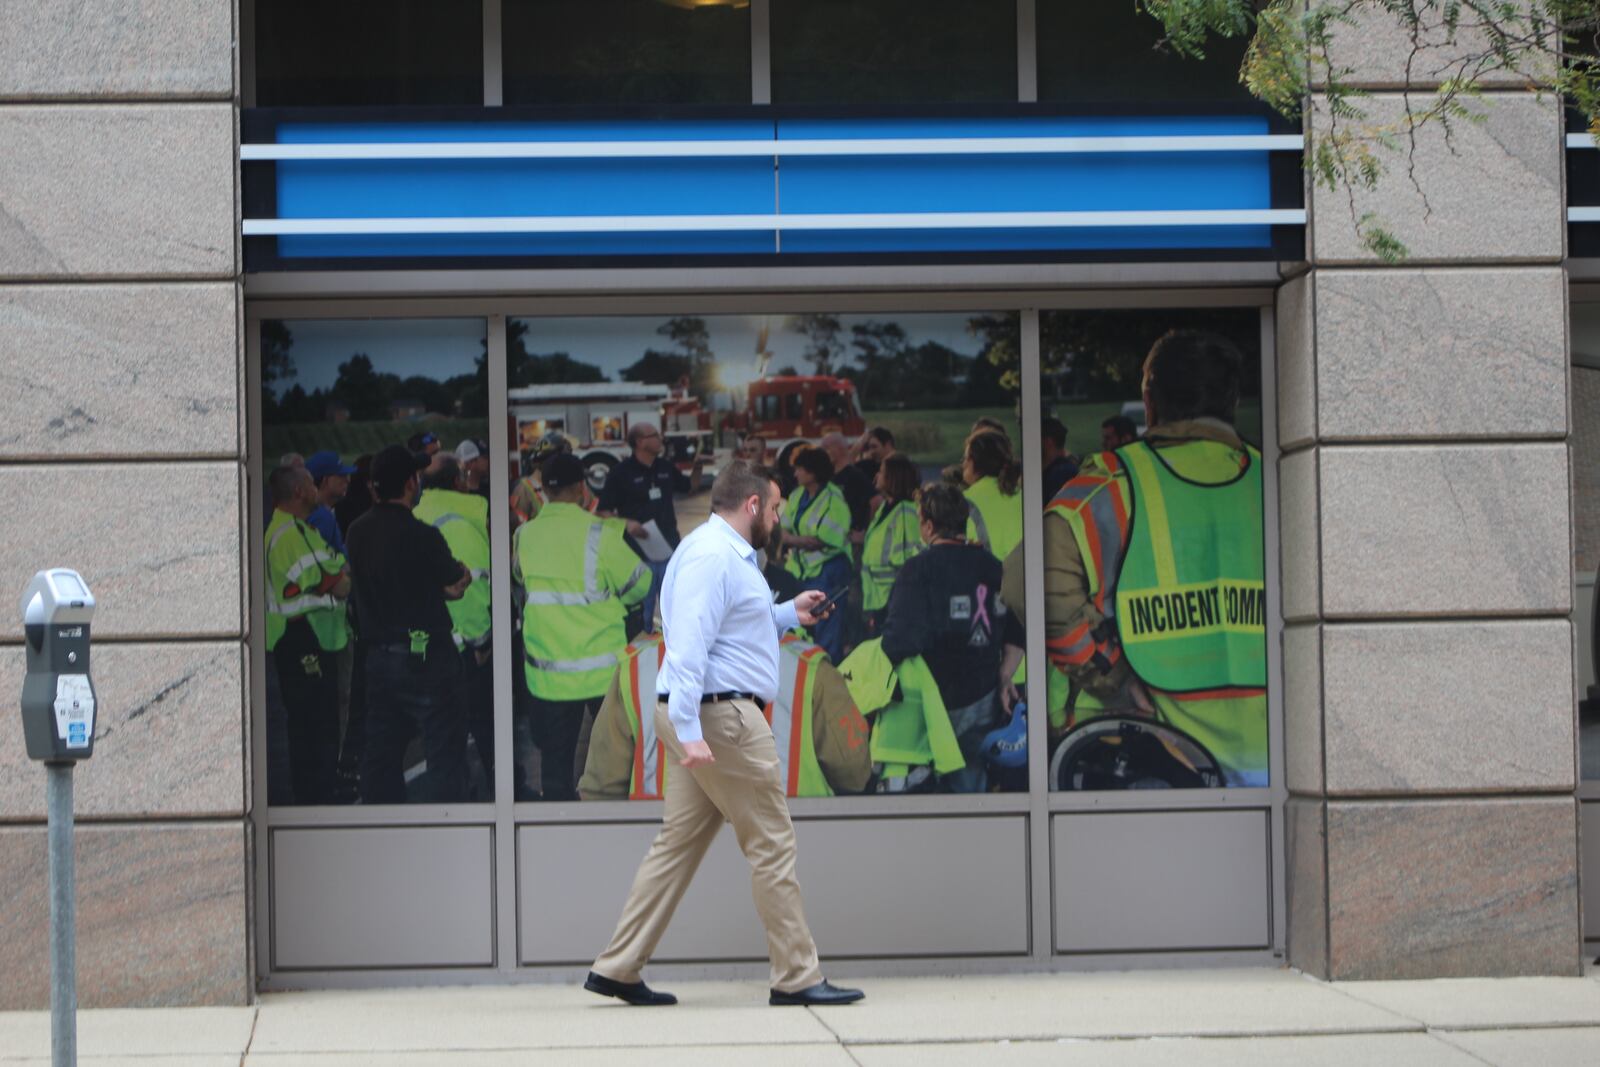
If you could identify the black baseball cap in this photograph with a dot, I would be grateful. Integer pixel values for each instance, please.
(561, 470)
(393, 467)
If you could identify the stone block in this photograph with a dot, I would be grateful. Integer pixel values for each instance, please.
(123, 190)
(119, 370)
(169, 735)
(1378, 51)
(1465, 211)
(1438, 353)
(1452, 889)
(159, 544)
(1297, 522)
(1302, 708)
(1439, 707)
(111, 48)
(1305, 863)
(1444, 530)
(161, 916)
(1297, 362)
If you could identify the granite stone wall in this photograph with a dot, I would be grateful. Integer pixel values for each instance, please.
(121, 451)
(1427, 534)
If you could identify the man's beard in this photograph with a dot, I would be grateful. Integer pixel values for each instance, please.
(760, 532)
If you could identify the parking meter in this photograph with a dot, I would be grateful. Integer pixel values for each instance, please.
(57, 695)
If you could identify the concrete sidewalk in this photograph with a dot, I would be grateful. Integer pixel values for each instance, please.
(1189, 1018)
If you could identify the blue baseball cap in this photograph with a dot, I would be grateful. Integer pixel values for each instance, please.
(321, 464)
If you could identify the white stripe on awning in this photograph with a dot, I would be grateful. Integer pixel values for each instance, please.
(775, 147)
(921, 220)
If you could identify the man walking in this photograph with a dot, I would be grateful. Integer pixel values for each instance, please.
(722, 631)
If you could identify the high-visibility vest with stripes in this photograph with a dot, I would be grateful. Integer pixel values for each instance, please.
(579, 578)
(893, 538)
(299, 563)
(1176, 564)
(789, 715)
(827, 517)
(463, 519)
(994, 519)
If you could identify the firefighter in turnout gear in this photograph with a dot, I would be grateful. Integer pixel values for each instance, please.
(578, 578)
(821, 737)
(1154, 567)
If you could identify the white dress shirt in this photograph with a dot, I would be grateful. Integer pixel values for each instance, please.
(720, 624)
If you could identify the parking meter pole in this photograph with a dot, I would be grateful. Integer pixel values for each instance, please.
(63, 920)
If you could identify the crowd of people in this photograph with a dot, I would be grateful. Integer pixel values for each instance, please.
(379, 622)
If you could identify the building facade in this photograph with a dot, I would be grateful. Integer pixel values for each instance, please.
(232, 232)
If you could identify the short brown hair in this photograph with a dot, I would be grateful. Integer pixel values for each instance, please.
(739, 481)
(900, 477)
(945, 508)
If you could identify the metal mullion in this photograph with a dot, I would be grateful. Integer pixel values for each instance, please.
(246, 36)
(761, 51)
(256, 649)
(739, 303)
(1041, 928)
(493, 68)
(1027, 52)
(1277, 788)
(505, 845)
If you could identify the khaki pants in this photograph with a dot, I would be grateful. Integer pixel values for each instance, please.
(744, 787)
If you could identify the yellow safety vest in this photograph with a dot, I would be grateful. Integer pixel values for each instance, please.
(298, 560)
(826, 517)
(463, 519)
(579, 577)
(892, 539)
(994, 519)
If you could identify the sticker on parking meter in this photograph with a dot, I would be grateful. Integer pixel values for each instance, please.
(74, 709)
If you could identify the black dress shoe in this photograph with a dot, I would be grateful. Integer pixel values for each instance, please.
(636, 993)
(823, 994)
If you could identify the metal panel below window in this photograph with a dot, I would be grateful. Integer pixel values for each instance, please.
(382, 897)
(1137, 881)
(873, 888)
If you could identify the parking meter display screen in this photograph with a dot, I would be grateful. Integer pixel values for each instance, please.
(68, 587)
(377, 564)
(874, 423)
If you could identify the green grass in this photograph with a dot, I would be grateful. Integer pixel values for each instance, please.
(935, 436)
(351, 439)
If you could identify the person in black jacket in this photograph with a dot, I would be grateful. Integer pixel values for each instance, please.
(946, 608)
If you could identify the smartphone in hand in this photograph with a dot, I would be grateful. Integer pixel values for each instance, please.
(824, 609)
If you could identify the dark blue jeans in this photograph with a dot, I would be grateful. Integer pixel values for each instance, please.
(830, 632)
(409, 695)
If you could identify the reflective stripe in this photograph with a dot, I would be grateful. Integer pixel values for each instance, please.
(481, 575)
(278, 535)
(300, 566)
(571, 666)
(303, 605)
(641, 572)
(566, 600)
(1072, 649)
(591, 557)
(1155, 514)
(829, 524)
(975, 515)
(474, 642)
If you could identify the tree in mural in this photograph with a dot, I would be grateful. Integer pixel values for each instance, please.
(824, 336)
(1455, 47)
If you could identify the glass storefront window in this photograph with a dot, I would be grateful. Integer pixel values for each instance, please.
(1111, 51)
(360, 53)
(626, 51)
(376, 577)
(866, 419)
(893, 51)
(1155, 574)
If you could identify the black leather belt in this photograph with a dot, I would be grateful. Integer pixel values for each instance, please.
(718, 698)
